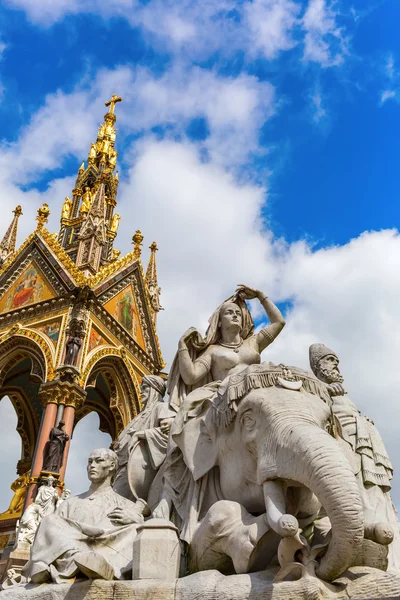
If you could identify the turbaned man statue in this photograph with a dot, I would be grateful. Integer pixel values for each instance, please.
(90, 534)
(366, 452)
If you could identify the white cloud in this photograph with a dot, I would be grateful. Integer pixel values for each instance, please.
(389, 67)
(48, 12)
(391, 79)
(324, 41)
(196, 30)
(234, 109)
(317, 106)
(387, 95)
(271, 24)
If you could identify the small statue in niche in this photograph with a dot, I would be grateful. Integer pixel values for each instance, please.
(115, 222)
(86, 200)
(92, 152)
(66, 209)
(74, 344)
(55, 449)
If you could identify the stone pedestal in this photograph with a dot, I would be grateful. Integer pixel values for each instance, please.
(361, 583)
(156, 551)
(18, 558)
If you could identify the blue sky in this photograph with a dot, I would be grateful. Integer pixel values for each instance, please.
(258, 143)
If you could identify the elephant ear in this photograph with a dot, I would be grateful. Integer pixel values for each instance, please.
(198, 446)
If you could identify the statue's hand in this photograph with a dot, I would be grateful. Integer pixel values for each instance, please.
(186, 336)
(140, 435)
(165, 425)
(121, 516)
(247, 293)
(336, 389)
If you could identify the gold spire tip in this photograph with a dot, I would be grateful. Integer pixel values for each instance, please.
(18, 211)
(153, 247)
(112, 102)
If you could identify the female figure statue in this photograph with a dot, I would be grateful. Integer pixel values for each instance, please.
(115, 222)
(230, 346)
(66, 209)
(17, 502)
(201, 370)
(86, 201)
(54, 451)
(142, 446)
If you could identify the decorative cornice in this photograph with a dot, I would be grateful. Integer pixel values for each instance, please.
(111, 269)
(63, 257)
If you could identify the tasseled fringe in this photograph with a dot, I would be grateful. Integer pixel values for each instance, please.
(226, 405)
(376, 479)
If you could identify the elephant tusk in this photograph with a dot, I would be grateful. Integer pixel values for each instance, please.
(290, 385)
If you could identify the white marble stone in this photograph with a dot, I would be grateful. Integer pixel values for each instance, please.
(156, 551)
(360, 583)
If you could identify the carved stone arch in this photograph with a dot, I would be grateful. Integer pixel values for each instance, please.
(107, 369)
(27, 424)
(19, 347)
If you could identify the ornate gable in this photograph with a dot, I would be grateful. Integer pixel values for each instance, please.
(31, 286)
(47, 261)
(124, 296)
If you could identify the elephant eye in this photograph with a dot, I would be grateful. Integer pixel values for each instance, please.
(248, 422)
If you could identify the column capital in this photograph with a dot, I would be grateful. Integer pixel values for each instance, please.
(62, 392)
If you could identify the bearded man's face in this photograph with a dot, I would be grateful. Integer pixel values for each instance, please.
(328, 368)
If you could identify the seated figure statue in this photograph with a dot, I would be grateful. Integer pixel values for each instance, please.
(89, 534)
(142, 446)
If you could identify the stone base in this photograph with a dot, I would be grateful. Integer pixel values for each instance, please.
(358, 583)
(18, 557)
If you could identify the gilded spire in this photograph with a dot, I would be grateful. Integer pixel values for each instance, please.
(102, 154)
(152, 282)
(93, 234)
(99, 173)
(9, 241)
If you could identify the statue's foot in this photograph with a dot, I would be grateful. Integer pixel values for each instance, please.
(94, 566)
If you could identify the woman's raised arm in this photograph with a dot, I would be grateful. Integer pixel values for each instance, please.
(267, 335)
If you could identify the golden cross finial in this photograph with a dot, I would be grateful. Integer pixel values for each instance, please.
(112, 102)
(18, 211)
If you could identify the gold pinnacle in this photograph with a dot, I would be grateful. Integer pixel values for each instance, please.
(153, 247)
(137, 241)
(43, 214)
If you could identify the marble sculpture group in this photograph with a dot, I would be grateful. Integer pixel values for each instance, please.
(244, 467)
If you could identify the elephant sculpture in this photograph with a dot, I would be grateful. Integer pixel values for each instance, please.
(266, 451)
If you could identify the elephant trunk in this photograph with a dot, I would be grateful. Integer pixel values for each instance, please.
(313, 458)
